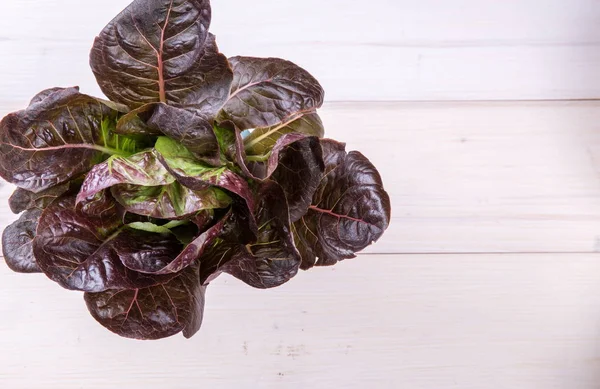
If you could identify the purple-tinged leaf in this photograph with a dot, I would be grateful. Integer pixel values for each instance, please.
(231, 239)
(197, 176)
(173, 201)
(295, 161)
(143, 260)
(75, 250)
(262, 140)
(269, 91)
(17, 243)
(44, 94)
(271, 260)
(155, 312)
(135, 122)
(57, 139)
(202, 220)
(261, 273)
(216, 257)
(23, 200)
(296, 164)
(299, 171)
(161, 51)
(350, 209)
(142, 169)
(142, 185)
(146, 252)
(205, 87)
(191, 128)
(99, 205)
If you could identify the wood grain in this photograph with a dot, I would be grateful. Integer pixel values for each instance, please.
(380, 50)
(414, 321)
(482, 177)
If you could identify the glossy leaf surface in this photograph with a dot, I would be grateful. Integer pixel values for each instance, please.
(269, 91)
(57, 139)
(17, 243)
(135, 122)
(189, 127)
(152, 313)
(143, 169)
(262, 140)
(142, 185)
(23, 200)
(295, 162)
(161, 51)
(350, 209)
(76, 249)
(145, 260)
(150, 251)
(273, 260)
(198, 176)
(173, 201)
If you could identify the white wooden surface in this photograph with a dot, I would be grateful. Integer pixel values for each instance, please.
(414, 321)
(489, 276)
(374, 50)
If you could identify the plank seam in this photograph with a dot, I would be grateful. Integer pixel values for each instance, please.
(483, 101)
(471, 253)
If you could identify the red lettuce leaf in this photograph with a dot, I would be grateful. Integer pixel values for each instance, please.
(197, 176)
(260, 272)
(191, 128)
(57, 139)
(141, 257)
(76, 249)
(152, 250)
(17, 243)
(142, 169)
(271, 260)
(142, 185)
(269, 91)
(135, 122)
(23, 200)
(155, 312)
(350, 209)
(196, 248)
(173, 201)
(299, 171)
(161, 51)
(44, 94)
(295, 161)
(262, 140)
(102, 203)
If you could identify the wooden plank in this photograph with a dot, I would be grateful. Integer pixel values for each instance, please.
(426, 21)
(416, 321)
(477, 177)
(400, 50)
(482, 177)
